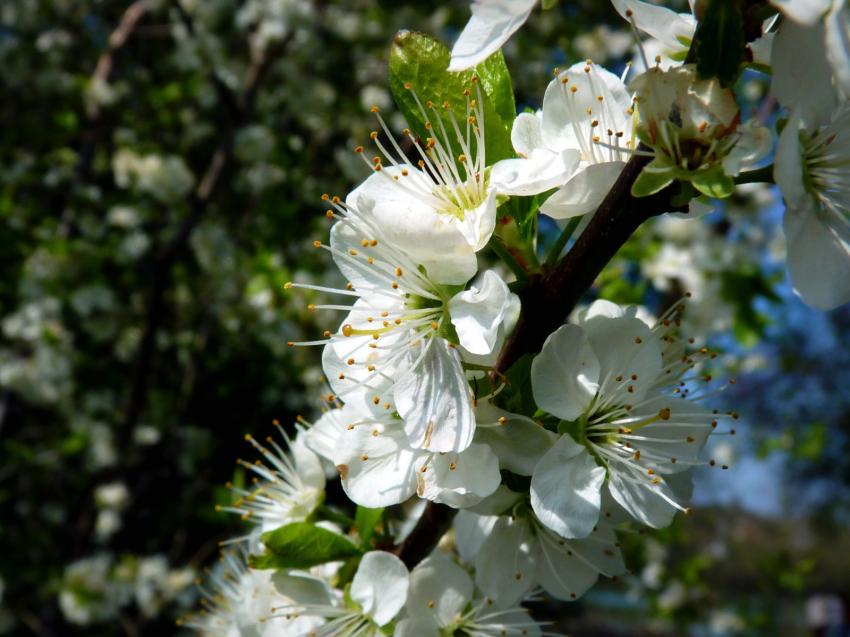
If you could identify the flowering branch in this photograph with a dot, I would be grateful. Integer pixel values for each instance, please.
(548, 299)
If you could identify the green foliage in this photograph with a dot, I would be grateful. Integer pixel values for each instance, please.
(366, 521)
(740, 288)
(302, 545)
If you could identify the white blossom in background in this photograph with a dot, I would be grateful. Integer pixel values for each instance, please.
(88, 592)
(165, 178)
(442, 601)
(491, 24)
(811, 171)
(619, 382)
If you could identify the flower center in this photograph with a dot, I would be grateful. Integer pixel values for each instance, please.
(826, 165)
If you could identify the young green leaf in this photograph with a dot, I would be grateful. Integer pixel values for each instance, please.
(302, 545)
(714, 182)
(419, 63)
(655, 176)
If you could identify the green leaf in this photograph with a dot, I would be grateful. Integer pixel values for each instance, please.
(421, 62)
(713, 182)
(720, 42)
(655, 176)
(302, 545)
(548, 4)
(365, 522)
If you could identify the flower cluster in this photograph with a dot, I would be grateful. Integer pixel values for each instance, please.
(598, 427)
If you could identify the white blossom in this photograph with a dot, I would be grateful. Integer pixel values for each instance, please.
(290, 485)
(514, 553)
(618, 385)
(811, 171)
(379, 468)
(378, 593)
(437, 207)
(441, 601)
(242, 602)
(395, 350)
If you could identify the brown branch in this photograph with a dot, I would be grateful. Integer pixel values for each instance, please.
(432, 525)
(95, 130)
(548, 299)
(129, 21)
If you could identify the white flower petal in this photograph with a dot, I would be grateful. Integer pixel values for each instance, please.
(471, 530)
(629, 356)
(323, 435)
(560, 571)
(376, 469)
(461, 479)
(803, 11)
(565, 489)
(818, 256)
(788, 163)
(491, 24)
(542, 170)
(566, 122)
(478, 313)
(518, 441)
(478, 224)
(640, 498)
(754, 143)
(439, 590)
(526, 134)
(380, 586)
(307, 463)
(435, 241)
(500, 502)
(565, 375)
(601, 551)
(419, 627)
(583, 192)
(797, 52)
(436, 401)
(506, 564)
(302, 588)
(838, 43)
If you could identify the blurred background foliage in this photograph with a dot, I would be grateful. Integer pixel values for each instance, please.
(161, 164)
